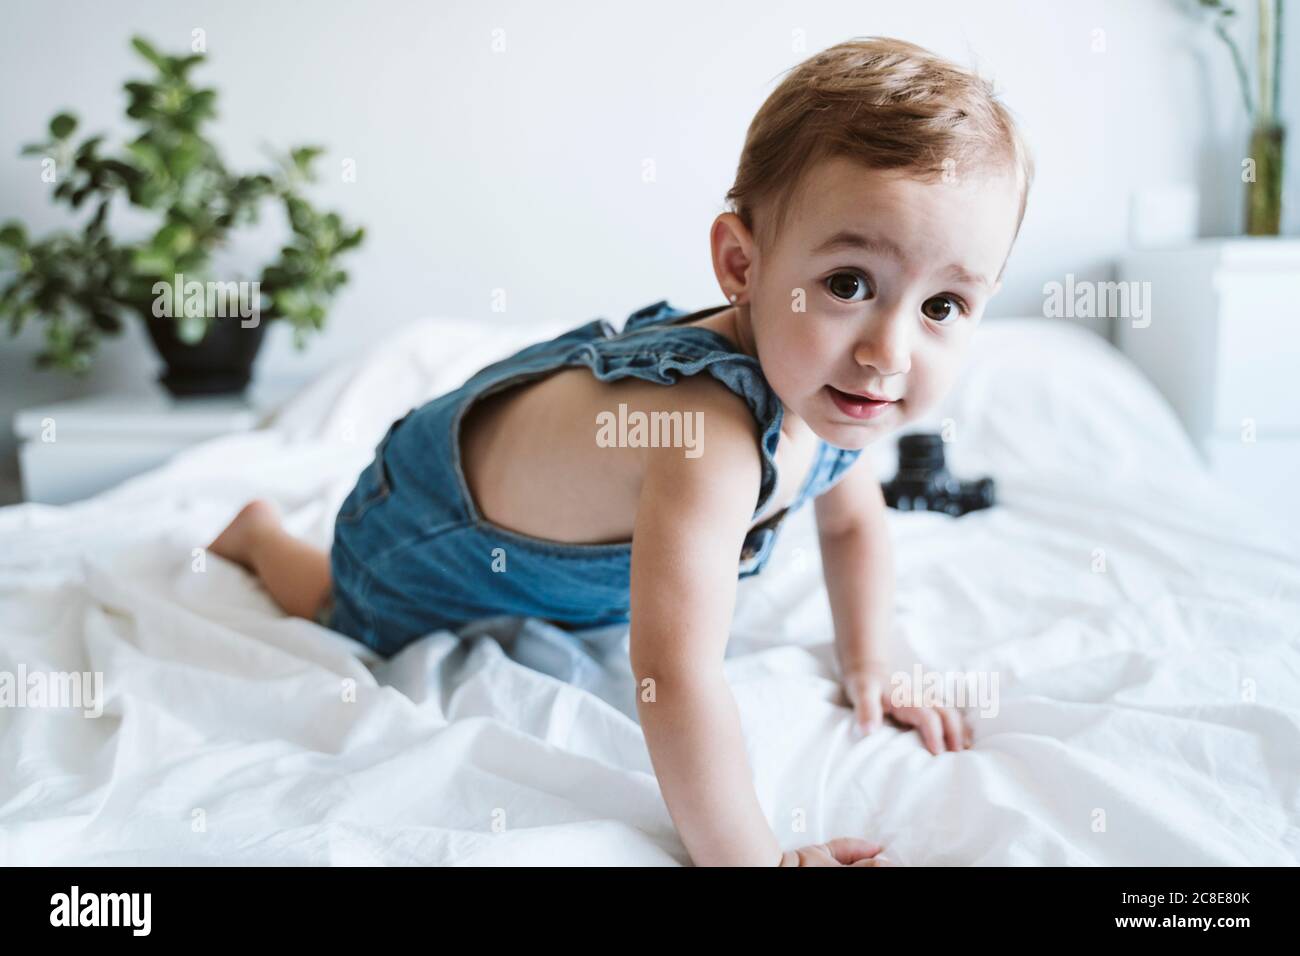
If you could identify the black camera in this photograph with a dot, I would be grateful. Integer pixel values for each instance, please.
(923, 482)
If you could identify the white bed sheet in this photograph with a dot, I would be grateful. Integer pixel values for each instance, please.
(1148, 713)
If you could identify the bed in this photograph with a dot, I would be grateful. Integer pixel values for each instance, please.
(1142, 624)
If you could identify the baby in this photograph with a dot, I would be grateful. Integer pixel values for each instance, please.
(877, 199)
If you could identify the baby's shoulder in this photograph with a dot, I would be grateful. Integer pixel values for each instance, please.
(717, 410)
(724, 461)
(705, 392)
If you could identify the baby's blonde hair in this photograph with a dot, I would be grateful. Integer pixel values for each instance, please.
(885, 103)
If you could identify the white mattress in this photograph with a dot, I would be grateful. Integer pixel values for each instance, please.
(1148, 712)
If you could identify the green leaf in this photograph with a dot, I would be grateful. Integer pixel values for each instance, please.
(181, 65)
(301, 215)
(146, 50)
(16, 321)
(152, 263)
(141, 109)
(203, 103)
(303, 156)
(97, 222)
(185, 159)
(128, 174)
(147, 153)
(13, 236)
(61, 126)
(291, 301)
(87, 149)
(175, 238)
(351, 241)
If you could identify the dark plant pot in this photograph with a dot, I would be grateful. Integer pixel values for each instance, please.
(221, 363)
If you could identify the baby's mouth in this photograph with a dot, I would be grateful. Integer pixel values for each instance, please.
(858, 406)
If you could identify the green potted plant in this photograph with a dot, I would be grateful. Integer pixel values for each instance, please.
(1262, 168)
(82, 285)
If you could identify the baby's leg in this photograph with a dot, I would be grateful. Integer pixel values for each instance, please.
(295, 573)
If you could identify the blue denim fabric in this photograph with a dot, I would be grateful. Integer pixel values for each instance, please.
(412, 554)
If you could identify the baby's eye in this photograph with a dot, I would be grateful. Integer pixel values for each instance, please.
(940, 308)
(846, 285)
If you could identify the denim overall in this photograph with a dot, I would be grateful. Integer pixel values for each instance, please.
(412, 554)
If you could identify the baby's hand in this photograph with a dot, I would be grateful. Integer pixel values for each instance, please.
(842, 851)
(868, 691)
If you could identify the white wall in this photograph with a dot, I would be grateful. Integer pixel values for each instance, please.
(522, 169)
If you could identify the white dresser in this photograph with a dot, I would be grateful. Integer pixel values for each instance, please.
(74, 449)
(1223, 346)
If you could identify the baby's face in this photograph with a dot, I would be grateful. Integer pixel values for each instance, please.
(892, 275)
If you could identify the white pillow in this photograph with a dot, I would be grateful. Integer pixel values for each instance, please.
(1041, 396)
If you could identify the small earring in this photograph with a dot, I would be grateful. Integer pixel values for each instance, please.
(733, 297)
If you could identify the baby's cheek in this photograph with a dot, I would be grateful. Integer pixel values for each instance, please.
(920, 401)
(914, 407)
(935, 377)
(798, 367)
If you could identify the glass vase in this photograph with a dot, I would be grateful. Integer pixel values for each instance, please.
(1264, 191)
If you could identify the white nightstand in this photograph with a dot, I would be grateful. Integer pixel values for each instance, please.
(1223, 346)
(72, 450)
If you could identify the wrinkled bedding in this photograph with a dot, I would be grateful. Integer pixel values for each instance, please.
(1142, 625)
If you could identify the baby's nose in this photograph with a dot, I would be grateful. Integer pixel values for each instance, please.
(887, 355)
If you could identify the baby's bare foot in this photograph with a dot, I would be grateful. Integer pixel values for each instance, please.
(254, 519)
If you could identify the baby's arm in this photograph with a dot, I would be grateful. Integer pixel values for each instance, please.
(691, 521)
(857, 561)
(690, 524)
(858, 565)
